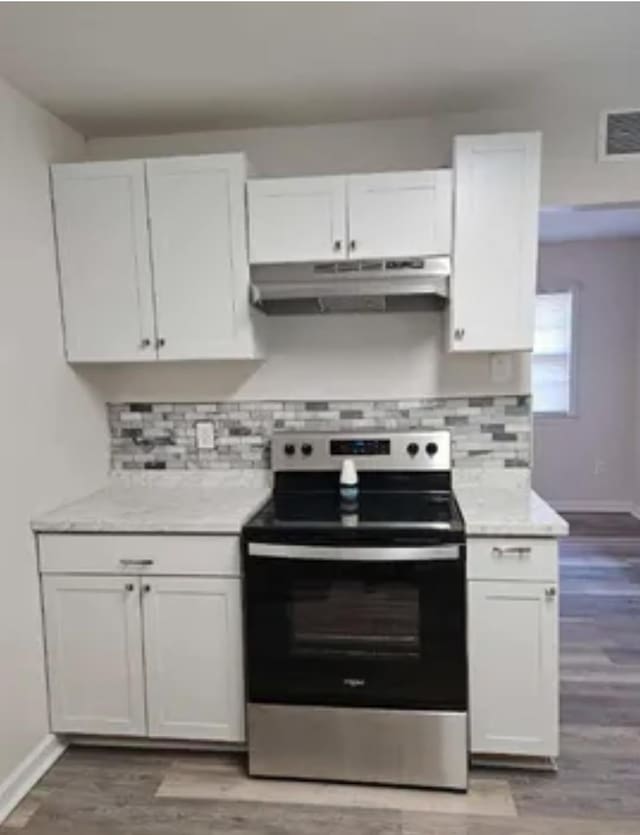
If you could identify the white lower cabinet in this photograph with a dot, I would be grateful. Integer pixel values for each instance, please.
(193, 654)
(93, 630)
(513, 667)
(157, 656)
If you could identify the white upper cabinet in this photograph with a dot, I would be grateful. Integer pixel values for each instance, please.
(394, 215)
(196, 211)
(399, 214)
(497, 196)
(180, 291)
(297, 219)
(103, 252)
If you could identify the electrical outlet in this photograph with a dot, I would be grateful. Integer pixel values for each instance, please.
(501, 368)
(205, 437)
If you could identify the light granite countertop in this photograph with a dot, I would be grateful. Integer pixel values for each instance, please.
(500, 511)
(219, 503)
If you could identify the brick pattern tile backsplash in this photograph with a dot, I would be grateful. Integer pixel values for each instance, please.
(487, 432)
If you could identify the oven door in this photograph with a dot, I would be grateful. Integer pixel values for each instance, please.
(356, 626)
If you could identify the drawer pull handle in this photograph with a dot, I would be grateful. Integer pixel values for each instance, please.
(521, 551)
(550, 592)
(136, 562)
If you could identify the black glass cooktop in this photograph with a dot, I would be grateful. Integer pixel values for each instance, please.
(380, 512)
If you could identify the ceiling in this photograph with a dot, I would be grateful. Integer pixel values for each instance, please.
(125, 68)
(585, 223)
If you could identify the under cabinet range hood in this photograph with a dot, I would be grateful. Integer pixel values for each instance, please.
(406, 284)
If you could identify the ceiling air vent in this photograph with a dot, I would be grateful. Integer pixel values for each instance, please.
(620, 134)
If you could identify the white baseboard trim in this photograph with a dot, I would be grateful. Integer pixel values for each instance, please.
(28, 772)
(139, 742)
(592, 506)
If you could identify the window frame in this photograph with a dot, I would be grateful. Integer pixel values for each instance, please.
(574, 290)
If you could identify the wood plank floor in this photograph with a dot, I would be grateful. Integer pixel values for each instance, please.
(603, 524)
(596, 791)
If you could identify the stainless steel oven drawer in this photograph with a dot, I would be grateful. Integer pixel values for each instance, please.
(395, 747)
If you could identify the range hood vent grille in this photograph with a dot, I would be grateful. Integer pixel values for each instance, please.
(372, 266)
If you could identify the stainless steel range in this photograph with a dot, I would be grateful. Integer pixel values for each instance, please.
(355, 613)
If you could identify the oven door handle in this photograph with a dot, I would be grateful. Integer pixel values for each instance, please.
(418, 553)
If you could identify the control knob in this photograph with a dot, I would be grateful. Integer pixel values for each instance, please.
(306, 449)
(412, 449)
(289, 449)
(431, 448)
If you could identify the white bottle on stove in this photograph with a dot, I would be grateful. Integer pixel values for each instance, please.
(349, 481)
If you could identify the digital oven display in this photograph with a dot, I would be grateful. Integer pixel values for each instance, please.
(362, 446)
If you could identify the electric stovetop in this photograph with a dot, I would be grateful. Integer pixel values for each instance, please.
(404, 490)
(385, 514)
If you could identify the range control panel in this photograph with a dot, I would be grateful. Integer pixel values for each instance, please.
(359, 446)
(371, 450)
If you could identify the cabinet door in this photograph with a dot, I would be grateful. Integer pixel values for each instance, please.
(497, 196)
(399, 214)
(196, 212)
(103, 251)
(94, 654)
(513, 668)
(296, 220)
(193, 651)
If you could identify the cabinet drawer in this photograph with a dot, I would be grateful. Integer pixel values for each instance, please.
(512, 559)
(143, 554)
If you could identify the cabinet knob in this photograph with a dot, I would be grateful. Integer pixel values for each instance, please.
(129, 587)
(550, 592)
(337, 246)
(160, 342)
(352, 245)
(458, 333)
(145, 343)
(146, 588)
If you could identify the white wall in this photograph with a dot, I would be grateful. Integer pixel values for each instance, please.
(587, 461)
(571, 173)
(367, 356)
(53, 438)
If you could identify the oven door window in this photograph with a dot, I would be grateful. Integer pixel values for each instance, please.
(356, 633)
(354, 619)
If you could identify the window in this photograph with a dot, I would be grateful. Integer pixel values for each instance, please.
(552, 367)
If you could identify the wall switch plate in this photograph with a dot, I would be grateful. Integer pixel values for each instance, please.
(501, 368)
(205, 436)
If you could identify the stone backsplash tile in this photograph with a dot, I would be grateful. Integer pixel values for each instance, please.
(487, 432)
